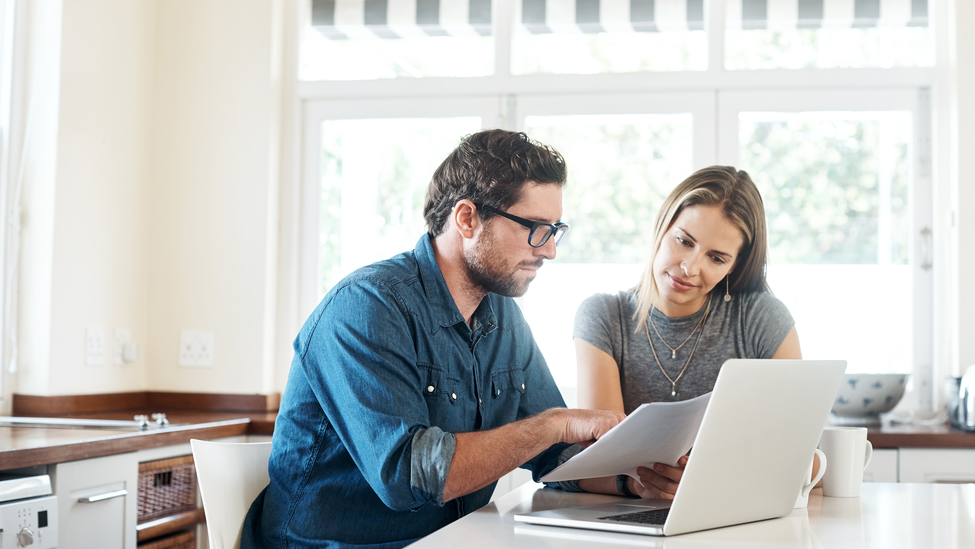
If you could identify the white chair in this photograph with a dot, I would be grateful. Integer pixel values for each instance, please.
(231, 475)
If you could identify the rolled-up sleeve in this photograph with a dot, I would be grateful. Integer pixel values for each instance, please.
(431, 453)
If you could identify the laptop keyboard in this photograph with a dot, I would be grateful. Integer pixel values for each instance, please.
(653, 516)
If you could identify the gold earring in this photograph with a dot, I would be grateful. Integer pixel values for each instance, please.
(727, 288)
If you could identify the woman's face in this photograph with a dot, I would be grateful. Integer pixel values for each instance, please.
(698, 250)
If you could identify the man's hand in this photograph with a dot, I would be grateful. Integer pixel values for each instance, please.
(659, 482)
(584, 426)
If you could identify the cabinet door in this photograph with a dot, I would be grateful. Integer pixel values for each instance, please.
(882, 467)
(97, 502)
(946, 465)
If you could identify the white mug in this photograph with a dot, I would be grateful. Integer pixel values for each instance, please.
(803, 498)
(849, 453)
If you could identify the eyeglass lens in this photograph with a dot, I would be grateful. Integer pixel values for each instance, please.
(542, 233)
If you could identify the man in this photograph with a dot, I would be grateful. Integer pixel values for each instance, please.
(416, 383)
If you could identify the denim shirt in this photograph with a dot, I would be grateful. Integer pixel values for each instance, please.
(385, 371)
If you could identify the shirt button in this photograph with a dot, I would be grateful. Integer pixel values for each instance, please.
(430, 389)
(522, 386)
(490, 325)
(499, 392)
(453, 396)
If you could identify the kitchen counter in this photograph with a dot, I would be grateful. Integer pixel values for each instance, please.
(911, 436)
(885, 515)
(30, 446)
(190, 415)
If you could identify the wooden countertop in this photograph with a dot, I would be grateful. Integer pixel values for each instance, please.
(204, 416)
(911, 436)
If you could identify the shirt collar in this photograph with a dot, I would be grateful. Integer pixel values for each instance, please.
(438, 295)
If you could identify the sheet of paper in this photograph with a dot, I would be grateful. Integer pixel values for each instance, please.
(659, 432)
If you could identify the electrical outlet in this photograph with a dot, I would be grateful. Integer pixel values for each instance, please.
(195, 348)
(94, 346)
(122, 337)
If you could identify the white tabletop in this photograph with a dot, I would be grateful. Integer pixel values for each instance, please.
(885, 515)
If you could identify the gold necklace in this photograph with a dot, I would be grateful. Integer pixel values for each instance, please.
(673, 350)
(673, 382)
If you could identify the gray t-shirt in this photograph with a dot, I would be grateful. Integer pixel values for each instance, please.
(751, 325)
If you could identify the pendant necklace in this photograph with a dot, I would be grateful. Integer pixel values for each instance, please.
(673, 382)
(673, 350)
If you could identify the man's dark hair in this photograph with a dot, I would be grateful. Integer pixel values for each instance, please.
(489, 167)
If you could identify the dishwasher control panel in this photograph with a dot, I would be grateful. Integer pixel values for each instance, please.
(29, 523)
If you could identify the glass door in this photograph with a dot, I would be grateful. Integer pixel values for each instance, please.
(847, 197)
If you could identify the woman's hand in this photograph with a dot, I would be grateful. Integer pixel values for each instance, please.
(659, 482)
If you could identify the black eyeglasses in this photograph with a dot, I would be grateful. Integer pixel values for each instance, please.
(536, 238)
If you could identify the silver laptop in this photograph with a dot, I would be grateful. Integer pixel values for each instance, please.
(748, 461)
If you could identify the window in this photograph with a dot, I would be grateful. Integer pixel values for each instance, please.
(360, 40)
(825, 35)
(839, 175)
(588, 37)
(637, 99)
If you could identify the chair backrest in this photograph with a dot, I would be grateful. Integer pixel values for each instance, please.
(231, 475)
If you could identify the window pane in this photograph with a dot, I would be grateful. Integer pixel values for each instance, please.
(355, 40)
(621, 167)
(555, 53)
(375, 58)
(836, 188)
(829, 48)
(374, 175)
(785, 34)
(582, 37)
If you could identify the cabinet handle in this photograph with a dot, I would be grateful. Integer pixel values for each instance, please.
(103, 497)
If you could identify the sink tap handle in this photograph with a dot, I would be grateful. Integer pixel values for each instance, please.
(161, 420)
(143, 421)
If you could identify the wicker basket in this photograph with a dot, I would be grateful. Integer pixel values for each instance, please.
(182, 540)
(166, 487)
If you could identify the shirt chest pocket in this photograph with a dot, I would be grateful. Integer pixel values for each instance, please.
(508, 383)
(436, 385)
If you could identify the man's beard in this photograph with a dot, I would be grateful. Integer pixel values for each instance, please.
(486, 268)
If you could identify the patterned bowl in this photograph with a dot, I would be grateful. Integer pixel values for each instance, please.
(863, 397)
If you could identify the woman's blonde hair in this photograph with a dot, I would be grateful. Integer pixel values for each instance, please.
(739, 199)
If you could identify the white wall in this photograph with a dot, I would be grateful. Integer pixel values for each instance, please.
(152, 196)
(964, 117)
(99, 248)
(213, 192)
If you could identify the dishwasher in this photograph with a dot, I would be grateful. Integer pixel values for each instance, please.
(28, 512)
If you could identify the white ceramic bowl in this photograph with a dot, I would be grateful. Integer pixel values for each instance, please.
(863, 397)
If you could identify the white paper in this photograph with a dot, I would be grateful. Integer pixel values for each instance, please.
(659, 432)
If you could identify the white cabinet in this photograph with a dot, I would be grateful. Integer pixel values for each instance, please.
(883, 466)
(947, 465)
(97, 502)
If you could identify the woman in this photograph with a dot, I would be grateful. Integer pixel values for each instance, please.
(701, 300)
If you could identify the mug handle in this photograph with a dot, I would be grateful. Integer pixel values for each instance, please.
(866, 460)
(819, 474)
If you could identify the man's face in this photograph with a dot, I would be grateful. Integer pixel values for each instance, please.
(501, 261)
